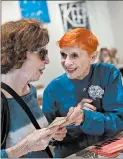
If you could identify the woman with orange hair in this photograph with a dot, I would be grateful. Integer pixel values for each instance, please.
(91, 95)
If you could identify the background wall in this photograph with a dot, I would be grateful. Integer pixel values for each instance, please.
(116, 16)
(106, 22)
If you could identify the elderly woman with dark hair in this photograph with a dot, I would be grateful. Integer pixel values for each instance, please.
(23, 59)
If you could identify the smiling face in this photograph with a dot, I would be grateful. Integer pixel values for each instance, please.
(75, 62)
(78, 52)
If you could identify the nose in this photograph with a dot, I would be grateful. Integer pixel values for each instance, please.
(46, 61)
(68, 62)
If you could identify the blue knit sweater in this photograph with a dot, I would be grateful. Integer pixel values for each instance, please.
(103, 84)
(20, 124)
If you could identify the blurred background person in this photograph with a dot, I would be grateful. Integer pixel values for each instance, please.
(105, 56)
(114, 58)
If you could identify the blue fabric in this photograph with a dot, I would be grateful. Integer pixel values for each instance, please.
(20, 124)
(3, 154)
(63, 93)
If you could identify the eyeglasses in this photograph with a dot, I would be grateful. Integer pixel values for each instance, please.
(43, 53)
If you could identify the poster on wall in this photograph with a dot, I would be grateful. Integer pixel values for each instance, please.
(35, 9)
(74, 15)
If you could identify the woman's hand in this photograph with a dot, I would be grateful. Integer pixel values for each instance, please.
(75, 115)
(40, 139)
(36, 141)
(86, 104)
(60, 134)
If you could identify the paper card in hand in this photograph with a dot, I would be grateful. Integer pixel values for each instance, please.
(57, 122)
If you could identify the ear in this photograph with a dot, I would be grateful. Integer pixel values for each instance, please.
(93, 57)
(28, 54)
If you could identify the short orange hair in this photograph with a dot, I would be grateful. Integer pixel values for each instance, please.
(81, 37)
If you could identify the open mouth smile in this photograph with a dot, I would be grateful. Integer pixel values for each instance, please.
(70, 70)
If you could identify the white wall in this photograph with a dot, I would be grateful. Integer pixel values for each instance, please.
(100, 22)
(10, 11)
(116, 16)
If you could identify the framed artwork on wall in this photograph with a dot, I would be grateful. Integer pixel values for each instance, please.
(74, 15)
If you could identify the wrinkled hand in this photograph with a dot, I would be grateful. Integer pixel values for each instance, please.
(39, 139)
(85, 104)
(60, 134)
(75, 115)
